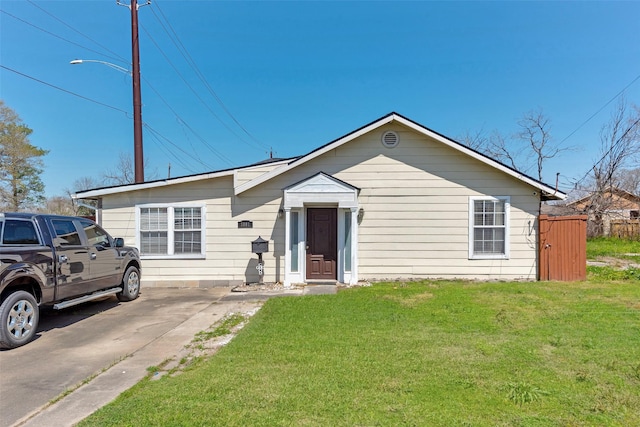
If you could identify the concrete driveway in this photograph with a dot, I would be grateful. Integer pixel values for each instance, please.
(76, 344)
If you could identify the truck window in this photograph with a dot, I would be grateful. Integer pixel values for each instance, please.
(96, 235)
(17, 232)
(66, 232)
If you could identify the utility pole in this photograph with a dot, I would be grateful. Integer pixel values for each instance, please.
(137, 97)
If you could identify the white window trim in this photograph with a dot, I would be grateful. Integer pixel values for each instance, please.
(171, 231)
(507, 227)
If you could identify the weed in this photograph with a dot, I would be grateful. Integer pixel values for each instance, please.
(556, 341)
(502, 318)
(522, 392)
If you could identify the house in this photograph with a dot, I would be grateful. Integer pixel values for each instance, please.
(607, 210)
(390, 200)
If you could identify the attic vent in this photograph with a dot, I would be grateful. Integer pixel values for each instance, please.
(390, 139)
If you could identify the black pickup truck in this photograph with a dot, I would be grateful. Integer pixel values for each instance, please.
(57, 261)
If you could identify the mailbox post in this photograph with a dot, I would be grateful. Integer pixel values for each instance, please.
(260, 246)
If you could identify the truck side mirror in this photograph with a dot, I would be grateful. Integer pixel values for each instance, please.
(118, 242)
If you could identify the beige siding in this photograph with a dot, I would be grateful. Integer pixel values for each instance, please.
(416, 223)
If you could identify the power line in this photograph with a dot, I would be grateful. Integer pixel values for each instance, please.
(184, 123)
(613, 146)
(64, 90)
(78, 32)
(185, 54)
(57, 36)
(158, 134)
(189, 85)
(602, 108)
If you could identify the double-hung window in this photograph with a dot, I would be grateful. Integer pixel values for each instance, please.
(171, 231)
(489, 227)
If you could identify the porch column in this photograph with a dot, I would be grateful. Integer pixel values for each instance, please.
(354, 246)
(287, 248)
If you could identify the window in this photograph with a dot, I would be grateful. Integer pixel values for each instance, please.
(294, 241)
(171, 231)
(489, 227)
(96, 235)
(347, 240)
(66, 232)
(19, 232)
(188, 231)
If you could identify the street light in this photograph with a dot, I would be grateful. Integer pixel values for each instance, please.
(137, 114)
(108, 64)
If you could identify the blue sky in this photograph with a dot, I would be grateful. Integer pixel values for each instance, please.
(296, 75)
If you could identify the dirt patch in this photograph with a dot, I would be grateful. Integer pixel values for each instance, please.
(617, 263)
(206, 343)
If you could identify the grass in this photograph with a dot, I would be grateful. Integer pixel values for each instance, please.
(611, 247)
(431, 353)
(619, 251)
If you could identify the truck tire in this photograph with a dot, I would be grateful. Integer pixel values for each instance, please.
(130, 285)
(19, 314)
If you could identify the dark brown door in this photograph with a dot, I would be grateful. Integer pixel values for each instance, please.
(322, 247)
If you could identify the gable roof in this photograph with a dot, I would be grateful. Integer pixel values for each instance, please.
(285, 165)
(611, 191)
(549, 193)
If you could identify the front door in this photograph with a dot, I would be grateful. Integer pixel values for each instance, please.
(322, 247)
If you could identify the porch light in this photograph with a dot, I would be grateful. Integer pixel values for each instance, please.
(360, 215)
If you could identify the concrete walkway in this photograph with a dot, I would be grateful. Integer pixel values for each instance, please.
(115, 379)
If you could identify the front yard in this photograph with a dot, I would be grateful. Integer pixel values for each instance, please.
(432, 353)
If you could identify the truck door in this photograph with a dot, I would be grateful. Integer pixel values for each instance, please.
(106, 262)
(72, 259)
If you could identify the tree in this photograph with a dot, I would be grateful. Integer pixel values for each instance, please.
(124, 172)
(59, 205)
(534, 133)
(84, 207)
(20, 164)
(619, 149)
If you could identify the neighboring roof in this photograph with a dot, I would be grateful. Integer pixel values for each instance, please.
(284, 165)
(611, 190)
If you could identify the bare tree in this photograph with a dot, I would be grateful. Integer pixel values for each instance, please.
(476, 141)
(629, 180)
(84, 207)
(499, 148)
(124, 172)
(619, 148)
(58, 205)
(535, 131)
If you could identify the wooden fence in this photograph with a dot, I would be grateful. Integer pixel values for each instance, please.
(563, 247)
(625, 229)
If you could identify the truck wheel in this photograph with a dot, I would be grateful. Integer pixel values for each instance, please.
(130, 285)
(19, 315)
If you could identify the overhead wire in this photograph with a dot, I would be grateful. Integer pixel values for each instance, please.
(65, 90)
(122, 59)
(57, 36)
(602, 108)
(611, 148)
(195, 93)
(116, 57)
(184, 123)
(174, 144)
(173, 36)
(574, 183)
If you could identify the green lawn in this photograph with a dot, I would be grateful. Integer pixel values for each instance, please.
(432, 353)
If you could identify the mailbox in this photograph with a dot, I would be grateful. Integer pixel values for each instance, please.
(260, 246)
